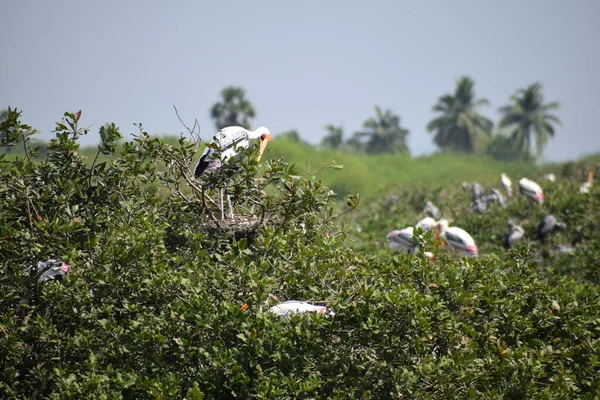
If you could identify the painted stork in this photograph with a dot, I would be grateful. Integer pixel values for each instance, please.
(565, 249)
(532, 191)
(506, 184)
(431, 210)
(476, 191)
(515, 234)
(457, 238)
(548, 225)
(50, 270)
(479, 206)
(587, 185)
(290, 307)
(402, 239)
(227, 142)
(496, 197)
(426, 224)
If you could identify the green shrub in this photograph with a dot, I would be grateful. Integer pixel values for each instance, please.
(154, 307)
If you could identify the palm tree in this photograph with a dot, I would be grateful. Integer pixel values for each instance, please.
(383, 135)
(460, 127)
(233, 110)
(529, 119)
(334, 137)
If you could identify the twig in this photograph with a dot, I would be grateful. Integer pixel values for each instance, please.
(183, 123)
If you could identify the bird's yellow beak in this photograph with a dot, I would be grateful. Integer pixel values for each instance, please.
(263, 145)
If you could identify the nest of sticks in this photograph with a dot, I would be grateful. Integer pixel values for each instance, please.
(241, 226)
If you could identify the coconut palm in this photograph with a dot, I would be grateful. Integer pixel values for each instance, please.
(334, 137)
(460, 127)
(383, 135)
(529, 119)
(233, 110)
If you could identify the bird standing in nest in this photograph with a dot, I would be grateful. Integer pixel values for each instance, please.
(227, 143)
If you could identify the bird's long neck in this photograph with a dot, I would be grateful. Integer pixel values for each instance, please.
(254, 134)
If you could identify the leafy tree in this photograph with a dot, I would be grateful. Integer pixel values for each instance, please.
(460, 127)
(334, 138)
(383, 134)
(530, 119)
(291, 135)
(234, 109)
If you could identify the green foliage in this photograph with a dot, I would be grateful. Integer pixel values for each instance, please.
(383, 134)
(529, 119)
(165, 301)
(334, 138)
(234, 109)
(460, 127)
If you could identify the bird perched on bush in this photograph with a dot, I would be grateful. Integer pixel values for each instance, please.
(532, 191)
(548, 225)
(587, 185)
(431, 210)
(426, 224)
(290, 307)
(506, 184)
(515, 234)
(457, 238)
(402, 239)
(49, 270)
(226, 145)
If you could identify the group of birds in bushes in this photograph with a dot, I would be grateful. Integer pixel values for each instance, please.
(461, 241)
(222, 154)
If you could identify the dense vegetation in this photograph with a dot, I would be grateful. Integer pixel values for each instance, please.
(166, 301)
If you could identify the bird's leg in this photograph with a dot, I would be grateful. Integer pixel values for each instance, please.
(529, 209)
(222, 210)
(230, 206)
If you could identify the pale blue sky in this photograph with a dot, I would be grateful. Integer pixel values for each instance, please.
(304, 64)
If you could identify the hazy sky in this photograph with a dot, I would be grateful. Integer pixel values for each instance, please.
(304, 64)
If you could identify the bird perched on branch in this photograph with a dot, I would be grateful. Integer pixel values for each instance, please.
(226, 143)
(532, 191)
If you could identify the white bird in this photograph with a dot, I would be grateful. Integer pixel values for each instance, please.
(532, 191)
(587, 185)
(506, 184)
(426, 224)
(429, 256)
(457, 238)
(550, 177)
(401, 239)
(227, 142)
(287, 308)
